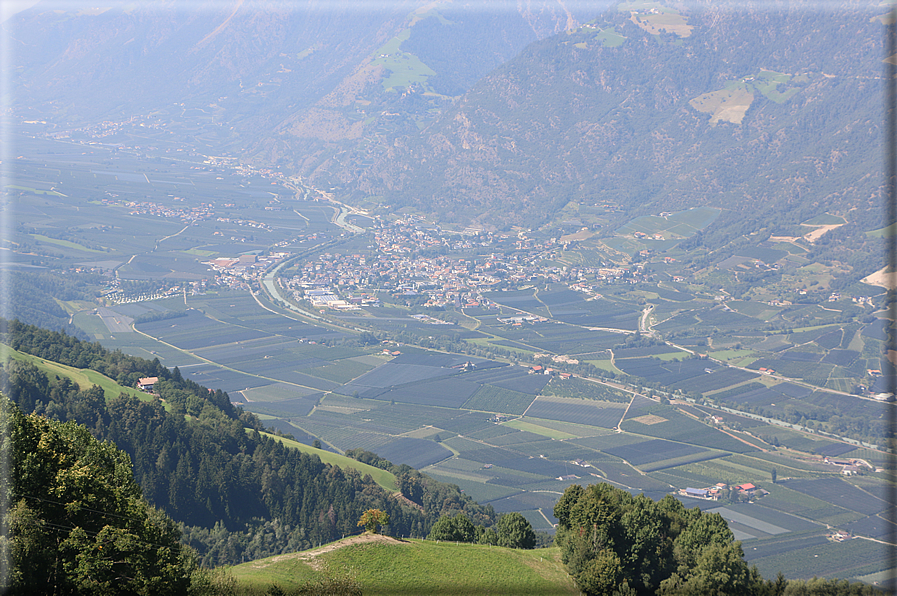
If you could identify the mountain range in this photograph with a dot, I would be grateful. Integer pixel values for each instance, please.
(492, 114)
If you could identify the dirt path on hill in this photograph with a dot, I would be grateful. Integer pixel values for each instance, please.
(310, 555)
(819, 231)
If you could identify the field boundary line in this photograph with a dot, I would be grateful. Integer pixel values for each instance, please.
(212, 362)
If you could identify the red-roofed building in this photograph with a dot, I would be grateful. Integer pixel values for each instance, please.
(746, 488)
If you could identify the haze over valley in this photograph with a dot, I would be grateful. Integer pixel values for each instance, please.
(514, 247)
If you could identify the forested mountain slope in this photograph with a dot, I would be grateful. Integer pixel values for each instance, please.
(773, 112)
(240, 493)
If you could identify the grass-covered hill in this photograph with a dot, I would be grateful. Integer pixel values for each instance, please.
(382, 565)
(385, 565)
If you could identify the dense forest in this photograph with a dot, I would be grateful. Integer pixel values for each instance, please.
(78, 521)
(238, 492)
(34, 295)
(614, 543)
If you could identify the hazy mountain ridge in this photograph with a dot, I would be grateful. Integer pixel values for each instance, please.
(573, 119)
(733, 107)
(254, 67)
(150, 55)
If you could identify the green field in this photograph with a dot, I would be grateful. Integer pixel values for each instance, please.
(825, 219)
(383, 565)
(64, 243)
(83, 377)
(404, 68)
(682, 224)
(610, 38)
(539, 430)
(36, 191)
(768, 82)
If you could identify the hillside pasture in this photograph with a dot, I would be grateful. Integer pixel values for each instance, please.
(404, 68)
(729, 104)
(774, 86)
(679, 225)
(383, 565)
(82, 377)
(610, 38)
(666, 21)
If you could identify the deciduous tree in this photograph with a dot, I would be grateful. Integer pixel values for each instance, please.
(454, 529)
(79, 522)
(372, 518)
(515, 531)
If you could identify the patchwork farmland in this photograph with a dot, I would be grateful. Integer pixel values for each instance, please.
(675, 374)
(515, 439)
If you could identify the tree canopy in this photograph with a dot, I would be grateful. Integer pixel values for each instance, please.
(615, 543)
(514, 531)
(372, 518)
(457, 528)
(78, 520)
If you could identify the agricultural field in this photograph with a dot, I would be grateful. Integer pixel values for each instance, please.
(149, 217)
(515, 440)
(652, 342)
(671, 226)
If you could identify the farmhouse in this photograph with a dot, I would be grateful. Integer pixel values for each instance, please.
(747, 489)
(147, 383)
(839, 536)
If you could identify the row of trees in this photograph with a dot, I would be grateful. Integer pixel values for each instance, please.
(512, 531)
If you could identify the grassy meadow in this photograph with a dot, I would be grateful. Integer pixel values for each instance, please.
(387, 566)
